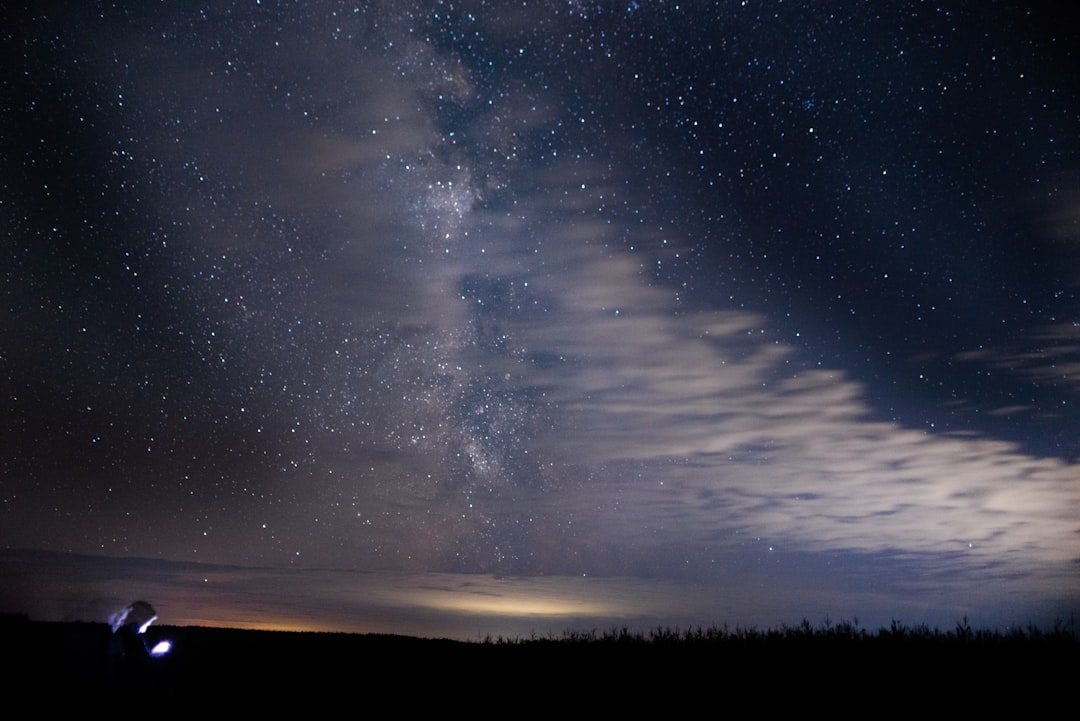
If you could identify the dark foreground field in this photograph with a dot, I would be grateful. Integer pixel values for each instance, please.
(795, 667)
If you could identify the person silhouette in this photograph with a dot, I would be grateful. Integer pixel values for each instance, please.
(128, 648)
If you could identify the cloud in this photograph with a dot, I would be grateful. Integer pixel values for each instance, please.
(705, 429)
(1047, 356)
(472, 606)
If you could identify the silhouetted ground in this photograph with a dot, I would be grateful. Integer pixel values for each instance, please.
(838, 667)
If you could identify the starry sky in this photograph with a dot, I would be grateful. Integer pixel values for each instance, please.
(455, 318)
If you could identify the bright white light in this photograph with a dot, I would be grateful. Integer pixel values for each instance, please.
(162, 648)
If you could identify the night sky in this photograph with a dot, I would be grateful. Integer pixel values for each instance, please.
(454, 318)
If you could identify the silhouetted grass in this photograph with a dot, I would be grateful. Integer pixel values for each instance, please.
(1061, 634)
(663, 668)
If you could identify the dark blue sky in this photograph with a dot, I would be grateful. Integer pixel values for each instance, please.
(714, 303)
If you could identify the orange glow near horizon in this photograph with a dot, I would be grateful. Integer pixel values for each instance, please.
(405, 607)
(513, 606)
(291, 625)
